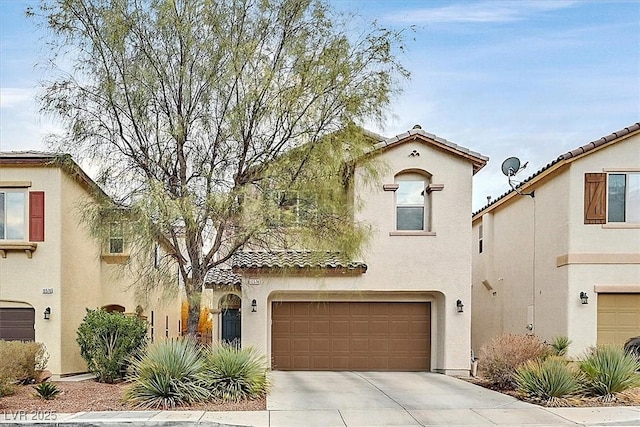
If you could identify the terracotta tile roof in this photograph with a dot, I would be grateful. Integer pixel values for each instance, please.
(30, 155)
(598, 142)
(293, 259)
(478, 159)
(222, 277)
(244, 260)
(612, 137)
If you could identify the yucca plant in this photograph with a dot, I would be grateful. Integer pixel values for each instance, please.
(46, 391)
(609, 370)
(168, 374)
(551, 380)
(560, 345)
(234, 374)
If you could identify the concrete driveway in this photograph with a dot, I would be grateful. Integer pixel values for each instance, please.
(408, 399)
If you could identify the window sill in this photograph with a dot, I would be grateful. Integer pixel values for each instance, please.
(27, 247)
(620, 225)
(115, 258)
(412, 233)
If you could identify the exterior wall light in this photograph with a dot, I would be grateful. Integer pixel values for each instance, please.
(460, 306)
(47, 313)
(584, 298)
(254, 306)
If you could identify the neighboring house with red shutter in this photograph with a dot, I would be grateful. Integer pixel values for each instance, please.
(536, 258)
(403, 306)
(51, 269)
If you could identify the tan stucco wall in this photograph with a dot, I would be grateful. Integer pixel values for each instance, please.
(520, 243)
(23, 279)
(69, 262)
(523, 240)
(81, 283)
(435, 268)
(598, 239)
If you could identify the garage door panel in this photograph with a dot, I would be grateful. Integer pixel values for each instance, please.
(321, 327)
(618, 318)
(359, 327)
(340, 345)
(339, 309)
(300, 310)
(339, 327)
(301, 327)
(351, 336)
(379, 345)
(300, 345)
(17, 324)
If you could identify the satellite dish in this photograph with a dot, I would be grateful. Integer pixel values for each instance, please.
(511, 166)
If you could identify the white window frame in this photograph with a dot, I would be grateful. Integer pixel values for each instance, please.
(25, 211)
(426, 201)
(627, 207)
(113, 238)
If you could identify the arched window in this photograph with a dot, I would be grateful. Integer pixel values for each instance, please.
(412, 202)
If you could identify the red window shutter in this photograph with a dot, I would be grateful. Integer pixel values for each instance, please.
(36, 216)
(595, 198)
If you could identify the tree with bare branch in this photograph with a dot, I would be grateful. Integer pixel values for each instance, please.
(208, 118)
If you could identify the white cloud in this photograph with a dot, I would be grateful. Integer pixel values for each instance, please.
(11, 97)
(477, 12)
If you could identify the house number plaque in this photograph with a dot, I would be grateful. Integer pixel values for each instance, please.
(47, 291)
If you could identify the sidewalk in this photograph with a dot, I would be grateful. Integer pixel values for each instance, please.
(607, 416)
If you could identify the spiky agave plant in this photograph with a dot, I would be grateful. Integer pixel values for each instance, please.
(46, 391)
(552, 380)
(167, 374)
(560, 345)
(609, 370)
(235, 374)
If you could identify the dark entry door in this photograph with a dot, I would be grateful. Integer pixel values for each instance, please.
(231, 324)
(17, 324)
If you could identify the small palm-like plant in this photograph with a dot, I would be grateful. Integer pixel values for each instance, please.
(234, 374)
(560, 345)
(46, 391)
(551, 380)
(609, 370)
(168, 374)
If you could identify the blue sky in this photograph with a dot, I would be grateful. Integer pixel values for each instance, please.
(531, 79)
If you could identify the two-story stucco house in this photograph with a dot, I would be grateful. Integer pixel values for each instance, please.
(403, 306)
(566, 261)
(51, 269)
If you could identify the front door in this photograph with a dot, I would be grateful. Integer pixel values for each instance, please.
(231, 324)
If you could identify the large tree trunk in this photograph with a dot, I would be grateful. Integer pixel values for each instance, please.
(193, 288)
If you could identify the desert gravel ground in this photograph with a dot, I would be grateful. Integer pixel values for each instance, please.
(83, 396)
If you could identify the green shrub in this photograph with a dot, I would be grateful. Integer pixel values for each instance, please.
(609, 370)
(107, 339)
(46, 391)
(549, 379)
(234, 374)
(504, 354)
(168, 374)
(20, 363)
(560, 345)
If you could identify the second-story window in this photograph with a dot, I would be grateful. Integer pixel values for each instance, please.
(12, 214)
(116, 238)
(292, 208)
(623, 204)
(480, 246)
(410, 205)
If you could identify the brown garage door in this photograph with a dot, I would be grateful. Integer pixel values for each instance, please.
(618, 318)
(353, 336)
(16, 324)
